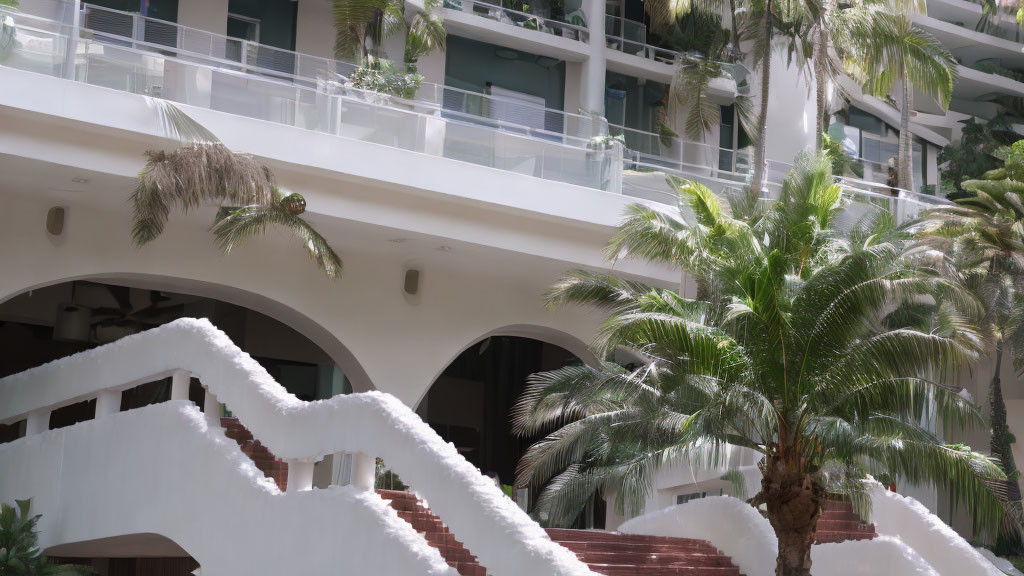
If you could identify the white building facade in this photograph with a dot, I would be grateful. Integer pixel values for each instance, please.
(454, 210)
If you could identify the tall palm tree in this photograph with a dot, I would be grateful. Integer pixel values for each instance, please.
(983, 236)
(203, 171)
(899, 53)
(361, 26)
(810, 346)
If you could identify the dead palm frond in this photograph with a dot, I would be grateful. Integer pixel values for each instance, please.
(235, 225)
(204, 171)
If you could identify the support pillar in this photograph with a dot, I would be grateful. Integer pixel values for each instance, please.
(211, 407)
(300, 475)
(180, 381)
(108, 403)
(37, 422)
(364, 471)
(593, 84)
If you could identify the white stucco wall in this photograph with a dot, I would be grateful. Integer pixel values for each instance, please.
(161, 470)
(502, 536)
(738, 530)
(209, 15)
(314, 28)
(791, 108)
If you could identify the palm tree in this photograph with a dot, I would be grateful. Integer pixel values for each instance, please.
(19, 551)
(815, 348)
(361, 26)
(899, 52)
(983, 236)
(202, 171)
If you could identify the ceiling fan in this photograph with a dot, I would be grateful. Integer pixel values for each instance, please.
(78, 322)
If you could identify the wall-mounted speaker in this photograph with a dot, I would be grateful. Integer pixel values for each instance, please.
(412, 282)
(55, 221)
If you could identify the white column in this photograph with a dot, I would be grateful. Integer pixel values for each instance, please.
(71, 50)
(592, 97)
(364, 471)
(211, 407)
(300, 475)
(37, 422)
(180, 381)
(108, 403)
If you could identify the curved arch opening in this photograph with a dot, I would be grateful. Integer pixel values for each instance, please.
(53, 320)
(469, 404)
(126, 555)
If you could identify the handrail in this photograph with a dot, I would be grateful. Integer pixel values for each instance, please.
(506, 541)
(559, 151)
(581, 33)
(307, 69)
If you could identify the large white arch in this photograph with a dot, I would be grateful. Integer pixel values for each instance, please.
(298, 321)
(401, 345)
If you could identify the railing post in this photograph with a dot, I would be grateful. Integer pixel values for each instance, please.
(180, 381)
(72, 40)
(300, 474)
(108, 403)
(211, 407)
(37, 422)
(364, 471)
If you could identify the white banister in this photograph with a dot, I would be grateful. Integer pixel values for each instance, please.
(38, 421)
(108, 403)
(364, 471)
(180, 381)
(377, 425)
(300, 475)
(212, 409)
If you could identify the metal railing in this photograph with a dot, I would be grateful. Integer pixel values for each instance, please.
(330, 107)
(131, 29)
(521, 19)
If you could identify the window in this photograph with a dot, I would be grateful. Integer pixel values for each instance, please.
(731, 139)
(684, 498)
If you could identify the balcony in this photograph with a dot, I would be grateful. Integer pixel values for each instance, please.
(316, 96)
(631, 54)
(528, 32)
(651, 157)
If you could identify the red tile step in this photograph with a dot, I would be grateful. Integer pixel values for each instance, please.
(839, 523)
(264, 460)
(616, 554)
(410, 509)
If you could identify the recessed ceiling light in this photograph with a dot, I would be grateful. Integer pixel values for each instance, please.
(80, 180)
(444, 248)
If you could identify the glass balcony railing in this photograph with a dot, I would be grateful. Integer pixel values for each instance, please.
(524, 20)
(649, 157)
(134, 30)
(42, 46)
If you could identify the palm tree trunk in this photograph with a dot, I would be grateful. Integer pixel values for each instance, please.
(794, 503)
(735, 31)
(821, 73)
(904, 164)
(1007, 541)
(760, 144)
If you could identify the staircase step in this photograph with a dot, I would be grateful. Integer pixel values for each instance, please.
(641, 559)
(826, 525)
(618, 570)
(824, 537)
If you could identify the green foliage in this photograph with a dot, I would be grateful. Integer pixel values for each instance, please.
(799, 346)
(383, 76)
(973, 154)
(362, 26)
(982, 240)
(841, 160)
(19, 551)
(698, 32)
